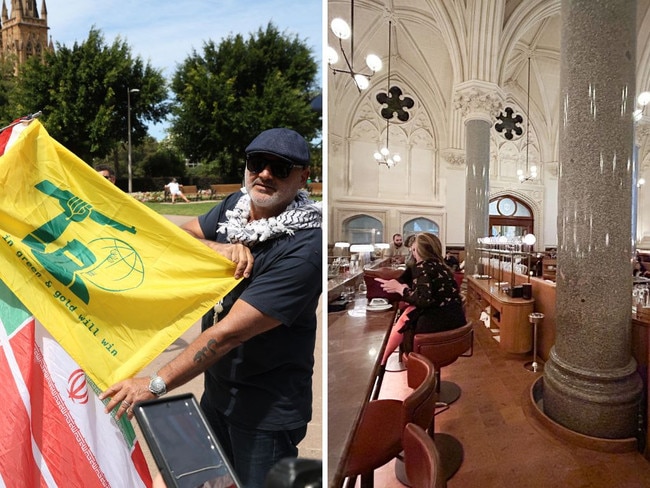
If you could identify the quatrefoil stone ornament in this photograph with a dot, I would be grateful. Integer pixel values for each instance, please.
(396, 104)
(509, 124)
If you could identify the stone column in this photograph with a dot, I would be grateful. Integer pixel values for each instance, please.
(479, 103)
(590, 381)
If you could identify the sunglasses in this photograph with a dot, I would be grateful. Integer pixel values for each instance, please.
(255, 163)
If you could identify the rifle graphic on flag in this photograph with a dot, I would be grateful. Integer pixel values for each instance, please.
(113, 285)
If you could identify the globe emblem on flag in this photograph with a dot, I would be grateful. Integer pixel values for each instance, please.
(118, 266)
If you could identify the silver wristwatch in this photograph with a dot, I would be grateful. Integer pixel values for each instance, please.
(157, 386)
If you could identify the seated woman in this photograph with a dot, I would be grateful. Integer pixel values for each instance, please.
(433, 294)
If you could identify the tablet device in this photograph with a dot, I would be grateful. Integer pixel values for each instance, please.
(182, 443)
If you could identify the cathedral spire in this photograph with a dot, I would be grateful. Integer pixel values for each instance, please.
(23, 33)
(17, 10)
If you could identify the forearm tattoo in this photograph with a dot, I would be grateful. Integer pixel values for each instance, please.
(210, 349)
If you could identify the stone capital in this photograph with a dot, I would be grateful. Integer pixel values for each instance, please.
(455, 158)
(478, 100)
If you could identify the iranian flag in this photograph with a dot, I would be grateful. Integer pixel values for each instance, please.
(54, 432)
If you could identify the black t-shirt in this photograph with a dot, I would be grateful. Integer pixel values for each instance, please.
(266, 382)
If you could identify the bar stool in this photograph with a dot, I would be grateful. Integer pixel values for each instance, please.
(378, 437)
(535, 366)
(442, 349)
(422, 459)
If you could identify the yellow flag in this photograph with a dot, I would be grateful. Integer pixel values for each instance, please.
(112, 281)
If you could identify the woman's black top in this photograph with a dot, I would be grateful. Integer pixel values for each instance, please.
(435, 294)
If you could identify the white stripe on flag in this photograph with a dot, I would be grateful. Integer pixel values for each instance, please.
(104, 445)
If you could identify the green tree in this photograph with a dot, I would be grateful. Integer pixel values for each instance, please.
(82, 92)
(164, 162)
(7, 84)
(235, 90)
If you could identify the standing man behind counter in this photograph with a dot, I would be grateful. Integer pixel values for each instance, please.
(258, 357)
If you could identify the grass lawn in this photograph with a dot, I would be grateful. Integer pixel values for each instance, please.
(192, 209)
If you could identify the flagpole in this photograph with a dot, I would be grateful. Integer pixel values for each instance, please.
(26, 118)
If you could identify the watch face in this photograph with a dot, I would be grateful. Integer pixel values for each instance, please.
(506, 206)
(157, 386)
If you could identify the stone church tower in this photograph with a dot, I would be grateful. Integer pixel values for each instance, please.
(24, 32)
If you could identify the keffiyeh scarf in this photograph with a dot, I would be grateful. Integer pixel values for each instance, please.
(301, 213)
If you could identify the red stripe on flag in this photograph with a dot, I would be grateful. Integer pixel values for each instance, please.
(17, 464)
(4, 137)
(59, 446)
(140, 464)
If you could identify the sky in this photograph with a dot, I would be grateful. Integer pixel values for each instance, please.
(164, 32)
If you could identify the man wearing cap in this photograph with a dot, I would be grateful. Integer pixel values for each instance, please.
(258, 353)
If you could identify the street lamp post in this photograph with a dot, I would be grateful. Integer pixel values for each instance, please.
(128, 123)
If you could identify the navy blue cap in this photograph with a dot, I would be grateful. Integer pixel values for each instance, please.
(283, 143)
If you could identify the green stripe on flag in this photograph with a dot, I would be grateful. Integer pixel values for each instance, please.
(12, 311)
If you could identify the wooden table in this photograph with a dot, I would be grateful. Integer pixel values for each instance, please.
(355, 346)
(509, 315)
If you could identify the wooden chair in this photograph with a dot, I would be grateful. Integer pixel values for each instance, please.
(422, 459)
(378, 437)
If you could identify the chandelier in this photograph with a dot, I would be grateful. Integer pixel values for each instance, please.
(343, 31)
(531, 170)
(396, 104)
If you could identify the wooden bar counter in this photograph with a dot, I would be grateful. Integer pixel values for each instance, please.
(355, 346)
(509, 315)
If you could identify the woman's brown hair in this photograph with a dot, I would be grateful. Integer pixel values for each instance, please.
(429, 247)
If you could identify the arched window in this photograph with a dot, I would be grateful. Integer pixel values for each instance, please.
(418, 225)
(510, 217)
(363, 229)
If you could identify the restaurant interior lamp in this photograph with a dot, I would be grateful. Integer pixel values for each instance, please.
(374, 62)
(341, 248)
(340, 28)
(383, 156)
(332, 55)
(344, 31)
(644, 98)
(362, 81)
(530, 239)
(531, 170)
(362, 248)
(365, 251)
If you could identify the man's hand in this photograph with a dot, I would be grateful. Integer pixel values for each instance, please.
(238, 254)
(126, 394)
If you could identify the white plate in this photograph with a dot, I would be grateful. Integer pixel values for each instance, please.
(378, 308)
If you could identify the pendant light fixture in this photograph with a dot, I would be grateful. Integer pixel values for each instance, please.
(343, 31)
(531, 171)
